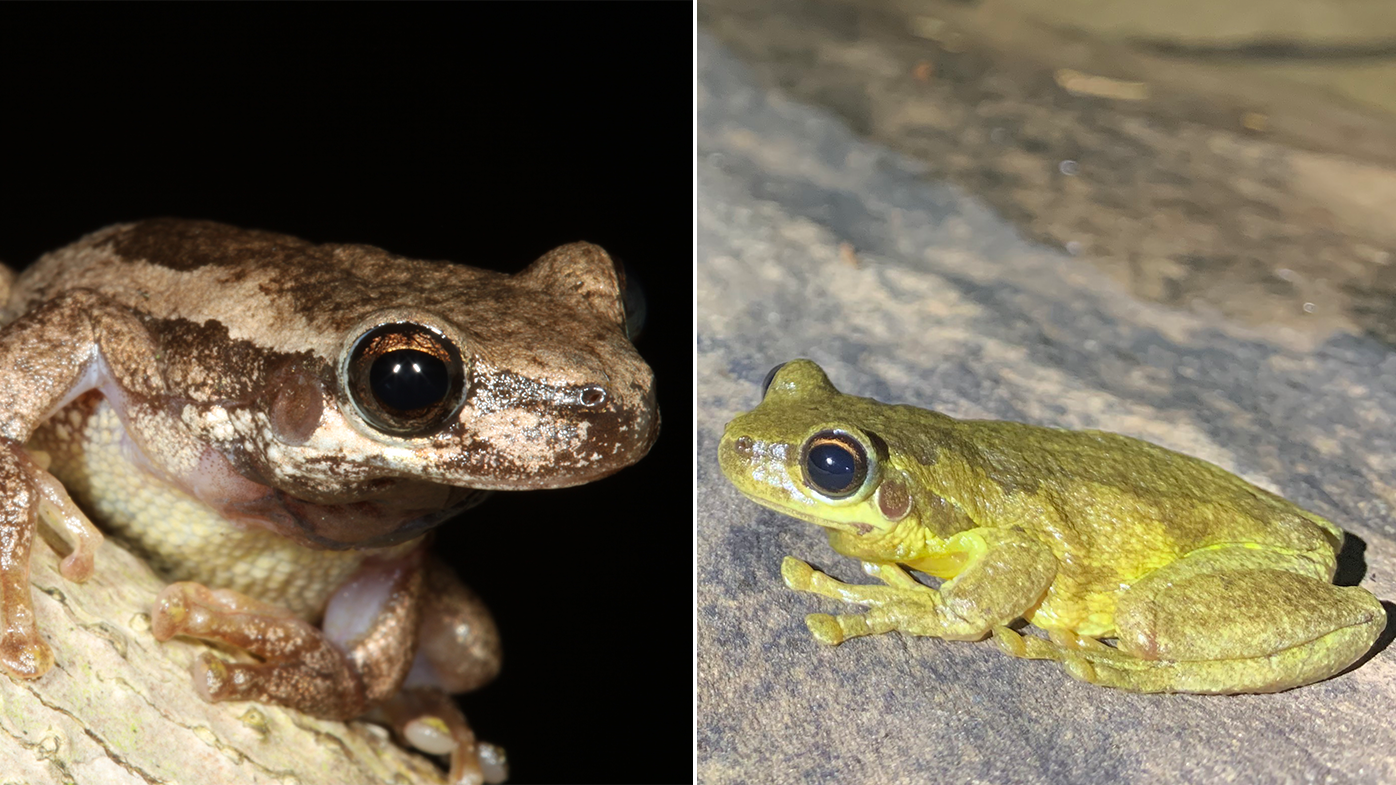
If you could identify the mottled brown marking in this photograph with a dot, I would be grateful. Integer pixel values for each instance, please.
(186, 245)
(384, 654)
(943, 517)
(209, 366)
(22, 652)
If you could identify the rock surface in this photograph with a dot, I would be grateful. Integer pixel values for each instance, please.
(1190, 181)
(812, 243)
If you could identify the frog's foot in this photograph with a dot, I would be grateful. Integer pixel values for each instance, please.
(1078, 655)
(833, 630)
(22, 653)
(1098, 663)
(914, 615)
(891, 605)
(28, 491)
(300, 667)
(426, 718)
(904, 604)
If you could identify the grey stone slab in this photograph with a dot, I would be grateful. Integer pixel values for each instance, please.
(812, 243)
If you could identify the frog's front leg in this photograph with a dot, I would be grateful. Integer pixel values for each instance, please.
(1006, 572)
(1222, 621)
(359, 659)
(22, 653)
(48, 357)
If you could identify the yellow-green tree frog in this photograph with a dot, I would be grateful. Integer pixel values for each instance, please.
(1206, 583)
(276, 425)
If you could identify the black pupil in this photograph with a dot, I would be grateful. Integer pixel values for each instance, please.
(833, 467)
(407, 379)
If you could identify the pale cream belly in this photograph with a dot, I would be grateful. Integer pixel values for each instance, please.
(182, 538)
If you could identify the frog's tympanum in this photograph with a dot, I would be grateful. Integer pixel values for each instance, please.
(276, 425)
(1206, 583)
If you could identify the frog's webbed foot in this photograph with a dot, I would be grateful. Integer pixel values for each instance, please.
(427, 719)
(966, 607)
(300, 668)
(903, 604)
(1081, 657)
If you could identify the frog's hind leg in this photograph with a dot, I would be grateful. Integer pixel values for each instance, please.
(1227, 620)
(457, 651)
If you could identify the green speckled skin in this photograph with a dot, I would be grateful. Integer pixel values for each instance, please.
(1207, 583)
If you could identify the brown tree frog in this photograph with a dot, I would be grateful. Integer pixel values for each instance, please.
(276, 425)
(1205, 582)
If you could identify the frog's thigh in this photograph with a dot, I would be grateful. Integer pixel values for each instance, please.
(457, 641)
(1237, 620)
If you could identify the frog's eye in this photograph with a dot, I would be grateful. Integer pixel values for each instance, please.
(835, 463)
(406, 379)
(770, 377)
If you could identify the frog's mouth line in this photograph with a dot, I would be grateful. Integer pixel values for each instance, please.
(853, 527)
(303, 521)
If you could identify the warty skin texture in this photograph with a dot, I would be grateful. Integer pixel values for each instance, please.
(193, 387)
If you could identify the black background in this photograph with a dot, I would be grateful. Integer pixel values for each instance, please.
(479, 134)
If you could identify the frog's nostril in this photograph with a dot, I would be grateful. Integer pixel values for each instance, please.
(743, 446)
(593, 395)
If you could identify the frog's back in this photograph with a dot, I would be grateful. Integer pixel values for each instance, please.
(208, 271)
(1143, 504)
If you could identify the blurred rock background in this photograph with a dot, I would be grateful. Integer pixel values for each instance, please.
(1171, 220)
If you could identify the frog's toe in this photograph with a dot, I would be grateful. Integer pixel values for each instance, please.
(24, 655)
(825, 628)
(300, 667)
(1080, 669)
(177, 612)
(796, 574)
(212, 679)
(1009, 642)
(429, 720)
(1069, 640)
